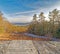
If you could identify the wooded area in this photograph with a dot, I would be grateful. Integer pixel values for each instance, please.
(42, 27)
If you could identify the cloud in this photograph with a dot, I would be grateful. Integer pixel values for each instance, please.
(27, 16)
(24, 17)
(42, 4)
(23, 13)
(21, 19)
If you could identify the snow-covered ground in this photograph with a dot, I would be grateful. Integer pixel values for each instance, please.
(36, 36)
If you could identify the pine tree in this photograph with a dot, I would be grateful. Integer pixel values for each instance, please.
(32, 26)
(53, 16)
(41, 21)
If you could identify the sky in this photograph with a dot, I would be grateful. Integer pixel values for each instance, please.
(22, 11)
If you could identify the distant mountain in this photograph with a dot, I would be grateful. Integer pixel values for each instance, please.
(21, 24)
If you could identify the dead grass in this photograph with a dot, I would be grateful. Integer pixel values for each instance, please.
(8, 36)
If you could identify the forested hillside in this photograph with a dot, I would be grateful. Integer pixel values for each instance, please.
(42, 27)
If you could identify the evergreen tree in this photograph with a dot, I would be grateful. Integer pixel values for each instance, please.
(54, 21)
(32, 26)
(41, 21)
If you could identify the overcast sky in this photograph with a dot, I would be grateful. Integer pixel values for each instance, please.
(21, 11)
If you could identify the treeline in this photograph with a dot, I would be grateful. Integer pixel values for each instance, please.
(40, 26)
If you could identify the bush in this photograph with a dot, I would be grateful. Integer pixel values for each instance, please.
(57, 34)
